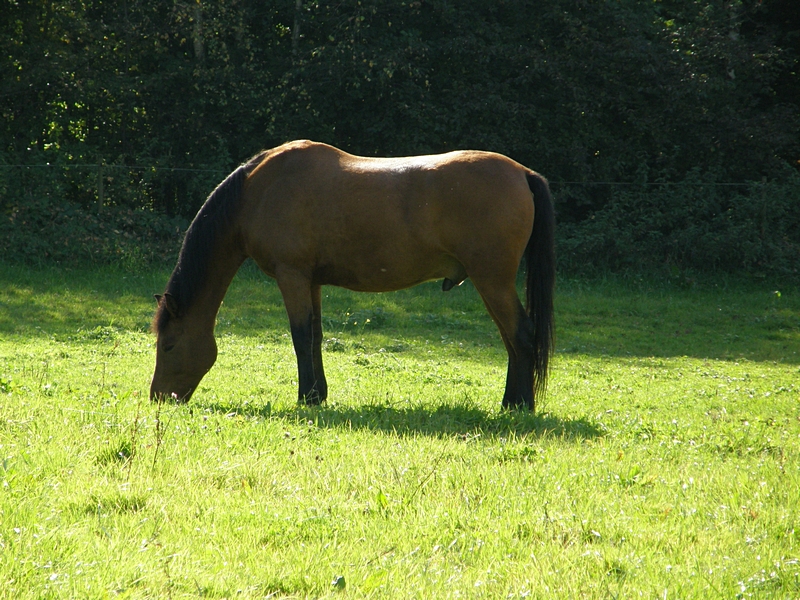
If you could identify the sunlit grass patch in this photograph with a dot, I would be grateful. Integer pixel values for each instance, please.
(658, 461)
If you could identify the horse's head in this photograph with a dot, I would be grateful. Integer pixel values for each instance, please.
(185, 351)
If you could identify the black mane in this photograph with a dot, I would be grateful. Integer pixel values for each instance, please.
(214, 218)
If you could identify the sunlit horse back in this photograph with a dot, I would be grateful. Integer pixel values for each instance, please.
(311, 215)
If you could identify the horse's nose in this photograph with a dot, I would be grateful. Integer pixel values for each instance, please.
(176, 397)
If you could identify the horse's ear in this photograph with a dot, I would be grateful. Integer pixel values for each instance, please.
(171, 304)
(158, 298)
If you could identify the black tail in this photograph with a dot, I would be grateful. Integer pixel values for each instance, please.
(540, 257)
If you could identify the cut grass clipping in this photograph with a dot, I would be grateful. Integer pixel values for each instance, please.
(663, 462)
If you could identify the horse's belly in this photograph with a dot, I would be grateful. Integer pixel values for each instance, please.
(387, 276)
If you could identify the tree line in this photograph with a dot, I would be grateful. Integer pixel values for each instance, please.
(588, 92)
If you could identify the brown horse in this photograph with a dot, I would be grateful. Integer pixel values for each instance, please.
(311, 215)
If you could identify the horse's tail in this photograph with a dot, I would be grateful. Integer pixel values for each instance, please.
(540, 257)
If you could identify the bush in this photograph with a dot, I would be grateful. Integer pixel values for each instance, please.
(42, 230)
(697, 225)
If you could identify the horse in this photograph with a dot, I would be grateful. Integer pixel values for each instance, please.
(311, 215)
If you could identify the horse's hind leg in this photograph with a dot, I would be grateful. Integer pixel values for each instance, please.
(516, 328)
(298, 297)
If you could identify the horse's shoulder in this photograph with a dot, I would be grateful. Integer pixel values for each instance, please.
(294, 156)
(302, 151)
(304, 147)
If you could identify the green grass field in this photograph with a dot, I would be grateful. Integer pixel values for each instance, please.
(663, 463)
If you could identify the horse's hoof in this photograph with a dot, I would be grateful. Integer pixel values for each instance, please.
(517, 404)
(313, 398)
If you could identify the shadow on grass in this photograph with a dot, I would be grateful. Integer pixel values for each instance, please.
(446, 420)
(607, 317)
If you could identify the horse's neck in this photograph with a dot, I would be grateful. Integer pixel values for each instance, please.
(221, 270)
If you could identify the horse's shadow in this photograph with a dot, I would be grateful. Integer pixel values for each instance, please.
(447, 420)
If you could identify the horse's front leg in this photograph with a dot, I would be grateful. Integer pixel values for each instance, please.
(316, 348)
(298, 299)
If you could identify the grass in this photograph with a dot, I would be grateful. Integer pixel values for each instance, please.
(664, 462)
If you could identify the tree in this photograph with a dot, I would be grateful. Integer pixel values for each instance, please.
(584, 91)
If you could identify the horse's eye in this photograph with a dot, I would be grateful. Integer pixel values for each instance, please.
(168, 347)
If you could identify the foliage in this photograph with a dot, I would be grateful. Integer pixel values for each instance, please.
(666, 458)
(697, 224)
(589, 91)
(69, 234)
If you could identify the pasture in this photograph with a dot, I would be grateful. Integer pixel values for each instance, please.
(664, 461)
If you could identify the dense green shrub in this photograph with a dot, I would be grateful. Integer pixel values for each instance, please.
(685, 92)
(697, 224)
(42, 229)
